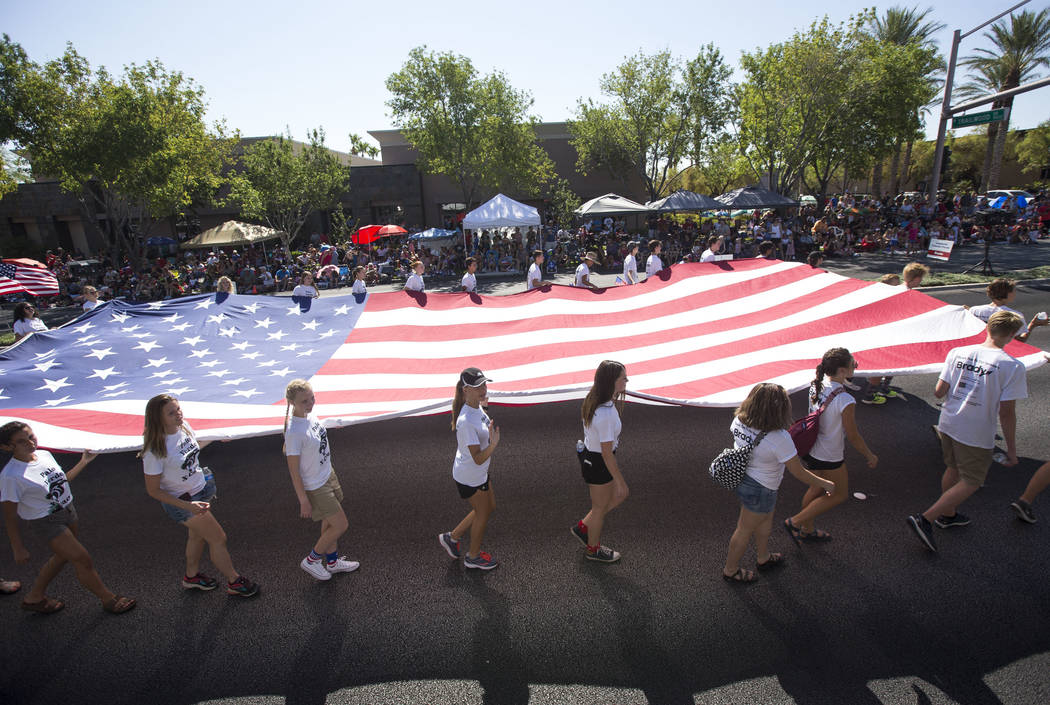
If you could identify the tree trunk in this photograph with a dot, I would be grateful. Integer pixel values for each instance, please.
(999, 149)
(993, 133)
(895, 167)
(906, 165)
(876, 179)
(845, 178)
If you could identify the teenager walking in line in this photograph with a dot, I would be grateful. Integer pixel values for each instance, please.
(827, 457)
(34, 488)
(316, 485)
(601, 436)
(476, 439)
(175, 478)
(762, 421)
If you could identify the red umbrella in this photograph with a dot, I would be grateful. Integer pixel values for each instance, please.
(27, 262)
(371, 233)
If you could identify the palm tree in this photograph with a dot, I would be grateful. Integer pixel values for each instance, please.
(986, 80)
(1019, 51)
(904, 26)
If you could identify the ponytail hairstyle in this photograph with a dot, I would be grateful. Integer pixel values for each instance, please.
(603, 390)
(290, 392)
(457, 402)
(829, 364)
(154, 439)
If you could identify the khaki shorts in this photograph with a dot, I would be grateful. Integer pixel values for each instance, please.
(327, 499)
(971, 462)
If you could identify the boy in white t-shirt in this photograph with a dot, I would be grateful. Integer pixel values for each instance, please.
(535, 276)
(980, 383)
(469, 282)
(1002, 293)
(583, 272)
(654, 264)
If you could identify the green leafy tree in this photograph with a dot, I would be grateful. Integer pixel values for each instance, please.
(1033, 151)
(1019, 50)
(718, 167)
(361, 147)
(563, 202)
(135, 149)
(282, 183)
(474, 129)
(660, 115)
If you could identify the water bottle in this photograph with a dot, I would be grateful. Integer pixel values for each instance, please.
(1000, 457)
(579, 446)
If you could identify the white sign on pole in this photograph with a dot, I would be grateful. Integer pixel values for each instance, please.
(940, 249)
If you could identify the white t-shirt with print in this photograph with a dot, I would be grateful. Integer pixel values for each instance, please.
(831, 434)
(472, 429)
(767, 461)
(603, 428)
(359, 287)
(535, 275)
(307, 438)
(582, 271)
(304, 290)
(469, 282)
(978, 378)
(630, 266)
(39, 487)
(180, 470)
(708, 256)
(28, 325)
(653, 265)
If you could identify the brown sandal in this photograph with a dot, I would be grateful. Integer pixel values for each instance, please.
(45, 606)
(740, 576)
(774, 560)
(118, 604)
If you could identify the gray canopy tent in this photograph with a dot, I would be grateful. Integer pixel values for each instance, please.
(232, 233)
(751, 197)
(683, 200)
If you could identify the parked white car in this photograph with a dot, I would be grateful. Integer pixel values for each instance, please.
(992, 195)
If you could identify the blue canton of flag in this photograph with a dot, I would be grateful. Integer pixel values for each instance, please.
(226, 358)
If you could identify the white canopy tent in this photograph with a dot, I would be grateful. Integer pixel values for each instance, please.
(501, 212)
(610, 204)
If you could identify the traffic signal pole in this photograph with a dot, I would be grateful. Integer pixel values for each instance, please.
(946, 104)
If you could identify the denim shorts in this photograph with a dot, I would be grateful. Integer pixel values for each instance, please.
(53, 525)
(755, 497)
(207, 494)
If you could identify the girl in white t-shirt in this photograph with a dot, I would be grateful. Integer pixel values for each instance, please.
(316, 485)
(767, 410)
(476, 439)
(185, 490)
(34, 488)
(601, 436)
(630, 263)
(826, 458)
(415, 280)
(26, 321)
(306, 287)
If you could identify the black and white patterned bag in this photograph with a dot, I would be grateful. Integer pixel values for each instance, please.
(729, 468)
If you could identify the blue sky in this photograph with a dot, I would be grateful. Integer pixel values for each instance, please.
(266, 65)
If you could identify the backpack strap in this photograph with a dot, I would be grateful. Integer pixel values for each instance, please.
(758, 439)
(828, 400)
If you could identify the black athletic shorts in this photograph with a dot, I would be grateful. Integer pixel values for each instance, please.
(592, 465)
(466, 491)
(814, 465)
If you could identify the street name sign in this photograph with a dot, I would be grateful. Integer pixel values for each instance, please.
(978, 118)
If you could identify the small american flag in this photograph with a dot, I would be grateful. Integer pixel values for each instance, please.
(695, 334)
(16, 277)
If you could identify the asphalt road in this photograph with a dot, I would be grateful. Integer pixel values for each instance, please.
(869, 617)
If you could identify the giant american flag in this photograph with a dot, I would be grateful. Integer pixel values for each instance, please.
(696, 334)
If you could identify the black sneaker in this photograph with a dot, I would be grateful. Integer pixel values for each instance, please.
(923, 529)
(603, 555)
(242, 587)
(580, 535)
(1024, 510)
(946, 522)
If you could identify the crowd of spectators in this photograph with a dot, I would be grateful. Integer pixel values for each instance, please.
(846, 226)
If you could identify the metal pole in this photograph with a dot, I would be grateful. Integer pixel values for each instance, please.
(946, 110)
(1030, 86)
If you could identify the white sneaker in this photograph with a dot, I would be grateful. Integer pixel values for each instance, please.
(342, 565)
(316, 569)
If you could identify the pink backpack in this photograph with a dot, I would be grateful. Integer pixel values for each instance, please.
(804, 431)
